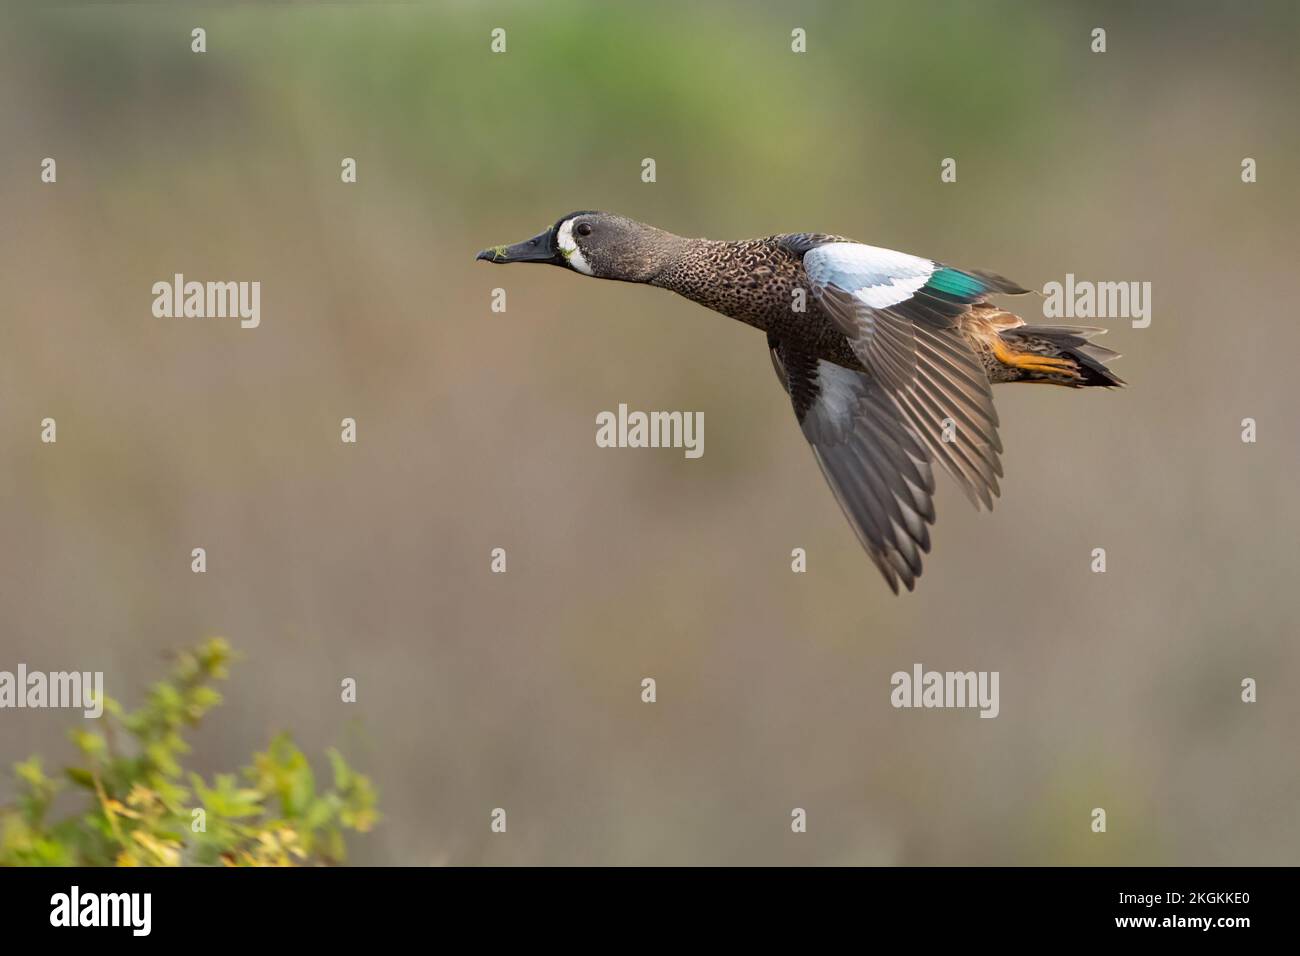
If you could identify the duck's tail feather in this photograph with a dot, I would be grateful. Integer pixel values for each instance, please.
(1058, 355)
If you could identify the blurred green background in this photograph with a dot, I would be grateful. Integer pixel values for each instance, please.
(476, 429)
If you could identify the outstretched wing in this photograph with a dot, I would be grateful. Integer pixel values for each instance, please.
(900, 314)
(875, 463)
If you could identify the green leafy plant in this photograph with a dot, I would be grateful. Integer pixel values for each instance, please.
(146, 810)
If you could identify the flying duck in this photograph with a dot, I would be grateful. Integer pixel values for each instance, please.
(888, 358)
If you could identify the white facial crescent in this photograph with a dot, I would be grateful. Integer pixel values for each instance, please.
(569, 248)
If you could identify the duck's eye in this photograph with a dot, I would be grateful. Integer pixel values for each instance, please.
(584, 229)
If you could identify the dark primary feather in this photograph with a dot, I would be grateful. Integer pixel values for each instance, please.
(875, 464)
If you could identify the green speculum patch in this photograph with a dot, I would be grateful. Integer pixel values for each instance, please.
(955, 282)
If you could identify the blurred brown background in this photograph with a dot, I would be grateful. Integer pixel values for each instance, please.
(476, 430)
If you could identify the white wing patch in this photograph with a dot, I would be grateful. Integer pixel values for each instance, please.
(840, 389)
(893, 292)
(878, 277)
(569, 249)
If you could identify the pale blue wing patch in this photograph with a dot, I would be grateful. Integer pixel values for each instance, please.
(879, 277)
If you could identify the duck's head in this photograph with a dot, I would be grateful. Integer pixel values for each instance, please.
(598, 244)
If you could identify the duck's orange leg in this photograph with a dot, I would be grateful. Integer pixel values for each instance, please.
(1033, 362)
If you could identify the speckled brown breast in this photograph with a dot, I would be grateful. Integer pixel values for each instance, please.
(753, 281)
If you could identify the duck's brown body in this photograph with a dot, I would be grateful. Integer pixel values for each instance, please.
(759, 282)
(762, 283)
